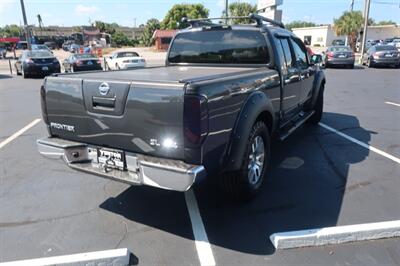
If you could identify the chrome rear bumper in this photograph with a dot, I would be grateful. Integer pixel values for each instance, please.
(140, 170)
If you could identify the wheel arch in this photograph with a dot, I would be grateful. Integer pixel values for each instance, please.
(257, 107)
(319, 83)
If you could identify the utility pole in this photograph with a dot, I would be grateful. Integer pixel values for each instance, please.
(366, 17)
(27, 32)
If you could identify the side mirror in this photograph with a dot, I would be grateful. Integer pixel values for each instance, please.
(316, 59)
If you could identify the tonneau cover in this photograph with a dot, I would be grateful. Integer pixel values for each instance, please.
(169, 74)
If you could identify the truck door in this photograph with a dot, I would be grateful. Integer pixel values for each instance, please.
(291, 81)
(306, 71)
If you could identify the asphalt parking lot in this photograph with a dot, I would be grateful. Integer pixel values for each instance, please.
(317, 179)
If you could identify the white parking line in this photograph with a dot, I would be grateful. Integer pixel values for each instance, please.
(335, 235)
(362, 144)
(203, 247)
(19, 133)
(107, 257)
(395, 104)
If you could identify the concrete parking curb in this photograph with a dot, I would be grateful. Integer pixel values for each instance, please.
(336, 235)
(120, 257)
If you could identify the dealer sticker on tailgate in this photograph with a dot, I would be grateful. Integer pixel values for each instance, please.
(111, 158)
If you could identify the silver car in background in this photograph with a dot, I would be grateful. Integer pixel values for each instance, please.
(339, 56)
(381, 55)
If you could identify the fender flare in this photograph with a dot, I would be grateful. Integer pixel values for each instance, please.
(256, 104)
(319, 80)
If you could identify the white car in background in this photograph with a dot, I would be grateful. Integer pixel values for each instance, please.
(124, 60)
(395, 43)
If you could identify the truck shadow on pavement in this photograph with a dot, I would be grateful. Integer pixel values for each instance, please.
(2, 76)
(304, 190)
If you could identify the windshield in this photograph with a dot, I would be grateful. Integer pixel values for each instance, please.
(83, 56)
(220, 46)
(39, 47)
(384, 48)
(40, 53)
(340, 49)
(127, 54)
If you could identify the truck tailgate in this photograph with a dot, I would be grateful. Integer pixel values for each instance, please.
(119, 114)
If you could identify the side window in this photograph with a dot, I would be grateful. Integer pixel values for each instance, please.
(300, 53)
(287, 52)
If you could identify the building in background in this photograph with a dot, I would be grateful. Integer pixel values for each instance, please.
(317, 36)
(163, 38)
(324, 35)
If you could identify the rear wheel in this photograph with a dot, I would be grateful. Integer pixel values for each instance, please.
(370, 63)
(18, 73)
(24, 74)
(247, 181)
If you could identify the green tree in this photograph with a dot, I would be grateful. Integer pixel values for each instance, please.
(147, 35)
(238, 9)
(299, 24)
(173, 19)
(106, 27)
(10, 31)
(385, 22)
(349, 24)
(118, 38)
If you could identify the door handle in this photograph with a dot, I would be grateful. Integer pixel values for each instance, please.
(102, 102)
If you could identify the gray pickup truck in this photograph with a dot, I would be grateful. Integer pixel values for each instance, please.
(225, 92)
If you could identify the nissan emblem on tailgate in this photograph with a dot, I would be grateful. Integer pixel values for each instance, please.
(104, 88)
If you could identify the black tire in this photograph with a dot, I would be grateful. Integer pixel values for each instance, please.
(370, 64)
(350, 66)
(318, 108)
(237, 184)
(25, 75)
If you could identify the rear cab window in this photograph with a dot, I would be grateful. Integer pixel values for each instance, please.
(220, 47)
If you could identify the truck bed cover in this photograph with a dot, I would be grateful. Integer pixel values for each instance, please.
(182, 74)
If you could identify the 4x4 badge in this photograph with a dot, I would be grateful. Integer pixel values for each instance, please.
(104, 88)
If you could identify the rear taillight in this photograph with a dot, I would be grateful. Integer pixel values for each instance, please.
(352, 54)
(195, 120)
(29, 61)
(79, 62)
(43, 104)
(330, 54)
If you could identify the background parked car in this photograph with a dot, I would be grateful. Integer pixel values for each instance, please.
(74, 48)
(396, 43)
(21, 45)
(82, 62)
(125, 60)
(39, 63)
(51, 45)
(66, 45)
(3, 52)
(40, 47)
(338, 42)
(339, 56)
(382, 55)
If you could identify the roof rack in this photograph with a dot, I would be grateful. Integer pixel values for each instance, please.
(207, 21)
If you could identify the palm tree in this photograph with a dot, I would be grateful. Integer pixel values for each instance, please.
(349, 24)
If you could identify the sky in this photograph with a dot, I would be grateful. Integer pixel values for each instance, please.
(125, 12)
